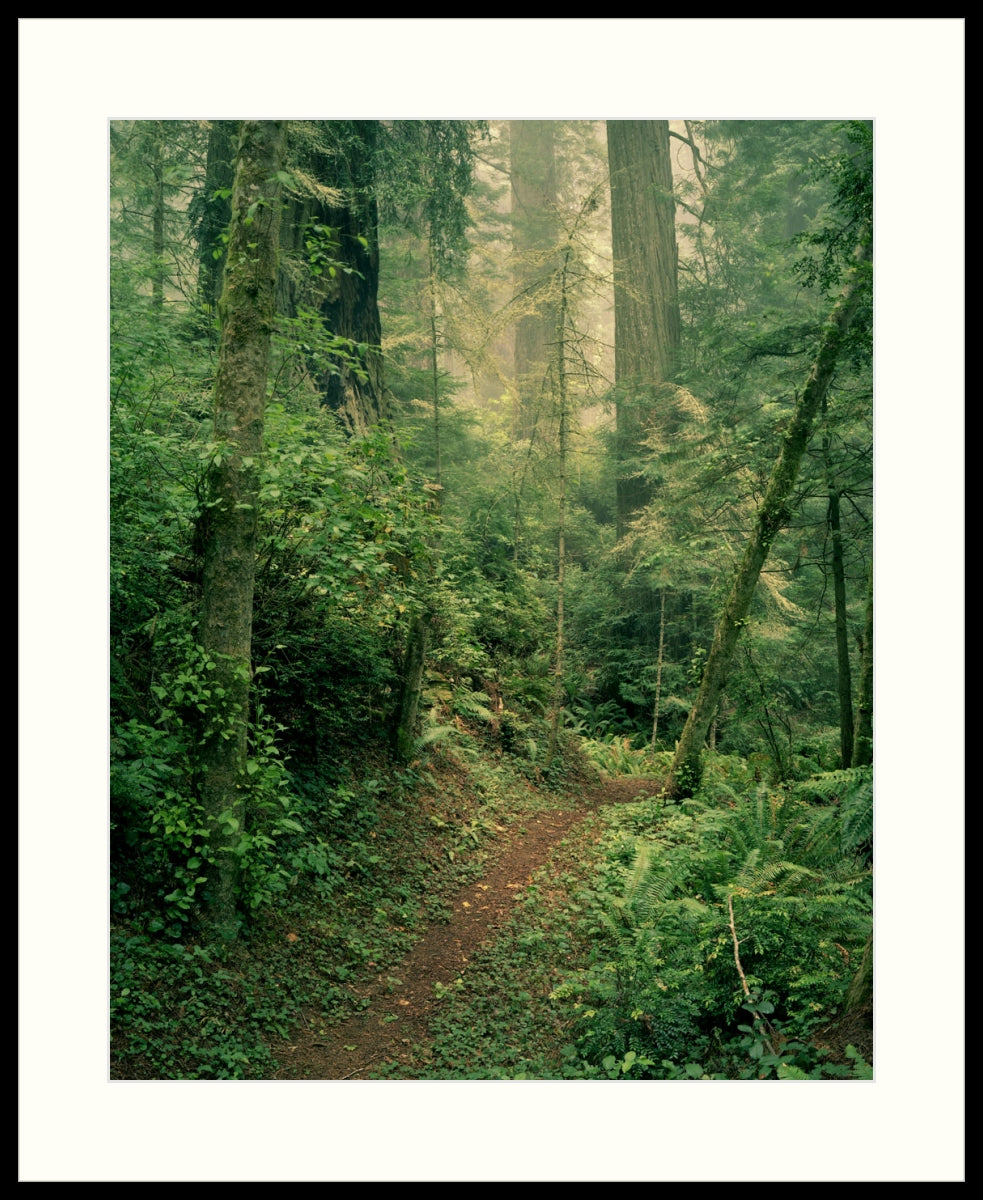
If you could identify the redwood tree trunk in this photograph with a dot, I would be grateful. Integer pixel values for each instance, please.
(774, 514)
(646, 302)
(229, 520)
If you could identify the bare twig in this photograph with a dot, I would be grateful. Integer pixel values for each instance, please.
(740, 970)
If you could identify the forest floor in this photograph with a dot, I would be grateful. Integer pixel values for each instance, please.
(399, 1005)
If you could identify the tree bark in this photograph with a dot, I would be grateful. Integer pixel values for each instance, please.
(863, 737)
(774, 514)
(646, 302)
(228, 531)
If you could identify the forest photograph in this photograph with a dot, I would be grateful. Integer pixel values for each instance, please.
(458, 467)
(493, 603)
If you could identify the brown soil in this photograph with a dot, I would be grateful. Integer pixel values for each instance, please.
(395, 1022)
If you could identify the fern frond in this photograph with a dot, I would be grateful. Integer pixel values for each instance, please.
(473, 704)
(437, 733)
(769, 878)
(847, 825)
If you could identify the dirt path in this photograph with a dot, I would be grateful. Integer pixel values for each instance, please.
(396, 1019)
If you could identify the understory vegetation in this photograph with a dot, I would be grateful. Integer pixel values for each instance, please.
(403, 553)
(707, 942)
(716, 939)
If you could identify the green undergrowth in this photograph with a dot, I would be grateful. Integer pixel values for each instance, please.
(620, 963)
(717, 939)
(382, 852)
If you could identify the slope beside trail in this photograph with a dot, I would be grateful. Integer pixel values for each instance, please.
(396, 1020)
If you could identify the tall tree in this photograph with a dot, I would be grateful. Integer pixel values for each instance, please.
(229, 520)
(646, 304)
(332, 225)
(772, 517)
(563, 416)
(534, 235)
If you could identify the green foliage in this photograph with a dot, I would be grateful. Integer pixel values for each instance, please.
(851, 215)
(616, 757)
(847, 824)
(663, 983)
(161, 839)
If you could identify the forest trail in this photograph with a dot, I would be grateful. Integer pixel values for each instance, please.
(394, 1024)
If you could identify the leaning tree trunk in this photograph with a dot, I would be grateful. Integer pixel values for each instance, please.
(774, 514)
(228, 528)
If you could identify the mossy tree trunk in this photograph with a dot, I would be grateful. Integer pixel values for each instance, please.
(411, 688)
(228, 531)
(773, 515)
